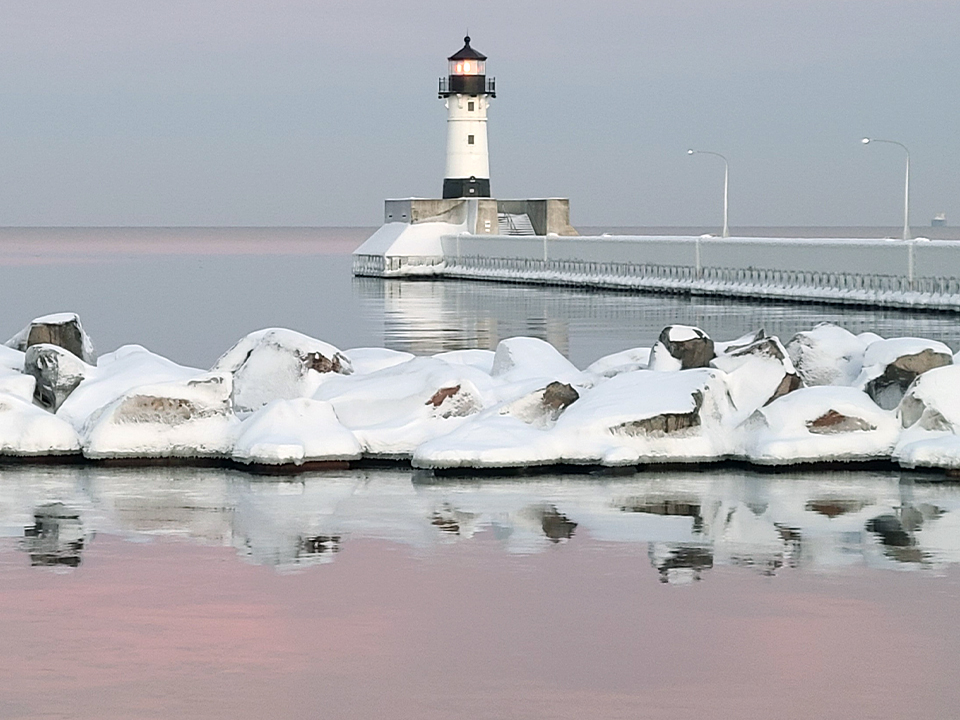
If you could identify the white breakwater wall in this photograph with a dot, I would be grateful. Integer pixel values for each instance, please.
(885, 273)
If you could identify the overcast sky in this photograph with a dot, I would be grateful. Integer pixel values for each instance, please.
(296, 112)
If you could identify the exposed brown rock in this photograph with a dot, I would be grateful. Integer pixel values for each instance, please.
(696, 352)
(442, 394)
(558, 396)
(323, 364)
(835, 507)
(665, 423)
(833, 422)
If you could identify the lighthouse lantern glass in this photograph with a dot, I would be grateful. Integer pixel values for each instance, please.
(467, 67)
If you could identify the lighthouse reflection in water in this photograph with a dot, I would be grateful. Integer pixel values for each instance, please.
(685, 523)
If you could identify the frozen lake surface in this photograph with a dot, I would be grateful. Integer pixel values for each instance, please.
(157, 593)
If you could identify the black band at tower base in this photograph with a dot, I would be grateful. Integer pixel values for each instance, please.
(466, 187)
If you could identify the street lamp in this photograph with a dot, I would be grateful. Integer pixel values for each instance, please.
(726, 182)
(906, 183)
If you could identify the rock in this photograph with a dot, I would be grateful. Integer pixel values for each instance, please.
(757, 373)
(890, 366)
(664, 423)
(620, 362)
(542, 407)
(62, 329)
(681, 347)
(57, 372)
(730, 346)
(826, 355)
(930, 415)
(279, 364)
(185, 419)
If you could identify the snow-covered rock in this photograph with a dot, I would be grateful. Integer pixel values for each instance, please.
(295, 432)
(61, 329)
(757, 374)
(542, 407)
(57, 373)
(114, 375)
(526, 358)
(827, 355)
(11, 359)
(479, 359)
(620, 362)
(185, 419)
(393, 410)
(635, 417)
(29, 431)
(930, 416)
(279, 364)
(681, 347)
(820, 424)
(890, 366)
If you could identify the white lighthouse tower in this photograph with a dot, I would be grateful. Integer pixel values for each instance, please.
(467, 91)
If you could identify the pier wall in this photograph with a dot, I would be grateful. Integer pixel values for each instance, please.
(880, 273)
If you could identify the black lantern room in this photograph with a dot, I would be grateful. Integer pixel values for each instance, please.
(467, 74)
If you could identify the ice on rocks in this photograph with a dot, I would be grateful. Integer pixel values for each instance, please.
(827, 355)
(61, 329)
(820, 424)
(279, 364)
(185, 419)
(295, 432)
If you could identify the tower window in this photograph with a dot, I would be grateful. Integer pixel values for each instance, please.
(470, 106)
(469, 139)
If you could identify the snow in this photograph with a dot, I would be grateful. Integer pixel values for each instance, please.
(781, 433)
(368, 360)
(27, 430)
(827, 355)
(295, 431)
(181, 419)
(683, 333)
(397, 239)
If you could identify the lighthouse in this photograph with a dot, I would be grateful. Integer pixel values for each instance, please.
(467, 92)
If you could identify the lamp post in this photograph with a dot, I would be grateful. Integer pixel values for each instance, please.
(726, 183)
(906, 183)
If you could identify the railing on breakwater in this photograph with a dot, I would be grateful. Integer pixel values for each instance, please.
(880, 273)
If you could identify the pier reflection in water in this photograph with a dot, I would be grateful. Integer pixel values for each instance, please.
(685, 523)
(426, 317)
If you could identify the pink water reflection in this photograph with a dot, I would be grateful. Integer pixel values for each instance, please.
(586, 630)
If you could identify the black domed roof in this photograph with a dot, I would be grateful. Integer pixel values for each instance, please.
(467, 52)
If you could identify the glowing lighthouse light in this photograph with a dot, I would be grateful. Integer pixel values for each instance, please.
(467, 91)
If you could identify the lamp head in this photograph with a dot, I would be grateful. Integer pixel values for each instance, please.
(865, 141)
(691, 151)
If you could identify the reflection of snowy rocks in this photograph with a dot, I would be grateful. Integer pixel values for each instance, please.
(56, 537)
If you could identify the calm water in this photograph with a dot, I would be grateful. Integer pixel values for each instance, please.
(160, 593)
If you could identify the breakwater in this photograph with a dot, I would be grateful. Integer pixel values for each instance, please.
(869, 272)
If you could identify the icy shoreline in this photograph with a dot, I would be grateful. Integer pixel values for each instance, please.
(281, 402)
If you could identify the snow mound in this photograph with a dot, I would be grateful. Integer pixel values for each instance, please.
(526, 358)
(116, 374)
(29, 431)
(820, 424)
(368, 360)
(294, 432)
(930, 416)
(184, 419)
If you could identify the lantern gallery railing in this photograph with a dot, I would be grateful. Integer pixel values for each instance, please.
(467, 85)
